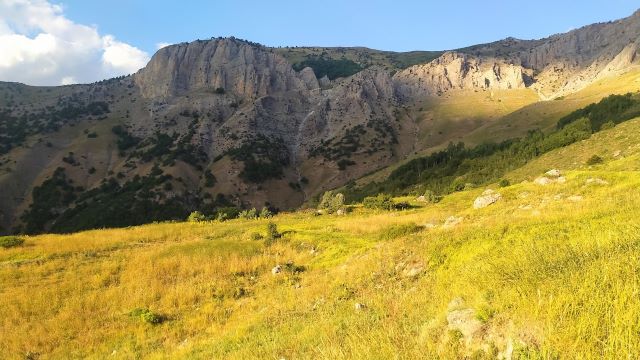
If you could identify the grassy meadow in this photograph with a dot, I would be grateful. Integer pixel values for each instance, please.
(547, 272)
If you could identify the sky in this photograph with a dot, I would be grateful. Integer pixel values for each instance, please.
(54, 42)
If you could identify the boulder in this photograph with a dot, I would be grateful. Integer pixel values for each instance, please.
(553, 173)
(488, 197)
(543, 180)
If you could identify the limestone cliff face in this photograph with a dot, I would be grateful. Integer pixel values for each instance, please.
(566, 63)
(456, 71)
(245, 69)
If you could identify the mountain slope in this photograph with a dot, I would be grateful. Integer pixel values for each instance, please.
(546, 272)
(224, 122)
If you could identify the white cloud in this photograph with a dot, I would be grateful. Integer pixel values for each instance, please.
(40, 46)
(162, 45)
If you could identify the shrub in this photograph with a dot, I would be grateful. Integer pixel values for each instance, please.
(396, 231)
(607, 126)
(196, 217)
(379, 202)
(431, 197)
(265, 213)
(272, 233)
(147, 316)
(331, 202)
(401, 205)
(256, 236)
(594, 160)
(250, 214)
(10, 241)
(504, 183)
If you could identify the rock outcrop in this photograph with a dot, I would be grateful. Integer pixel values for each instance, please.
(245, 69)
(459, 71)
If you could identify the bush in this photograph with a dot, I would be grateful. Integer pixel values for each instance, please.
(607, 126)
(331, 202)
(147, 316)
(250, 214)
(265, 213)
(396, 231)
(379, 202)
(256, 236)
(196, 217)
(10, 241)
(595, 160)
(431, 197)
(401, 205)
(504, 183)
(272, 233)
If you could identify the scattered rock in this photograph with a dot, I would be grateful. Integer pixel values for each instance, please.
(596, 181)
(575, 198)
(341, 212)
(452, 221)
(552, 176)
(555, 173)
(617, 153)
(276, 269)
(412, 271)
(430, 226)
(359, 306)
(543, 180)
(421, 198)
(525, 207)
(455, 304)
(465, 321)
(488, 197)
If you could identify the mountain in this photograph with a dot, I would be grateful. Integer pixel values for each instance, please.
(229, 123)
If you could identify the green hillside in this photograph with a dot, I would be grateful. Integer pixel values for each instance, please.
(546, 272)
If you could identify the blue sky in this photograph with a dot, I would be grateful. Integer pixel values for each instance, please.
(54, 42)
(388, 25)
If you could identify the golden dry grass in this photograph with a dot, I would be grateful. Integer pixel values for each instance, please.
(553, 277)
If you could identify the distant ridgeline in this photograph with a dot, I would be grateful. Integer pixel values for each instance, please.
(458, 167)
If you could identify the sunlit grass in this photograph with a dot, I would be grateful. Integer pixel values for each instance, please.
(553, 277)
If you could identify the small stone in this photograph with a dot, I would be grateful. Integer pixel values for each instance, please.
(617, 153)
(596, 181)
(341, 212)
(561, 180)
(359, 306)
(412, 272)
(276, 269)
(575, 198)
(553, 173)
(421, 198)
(452, 221)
